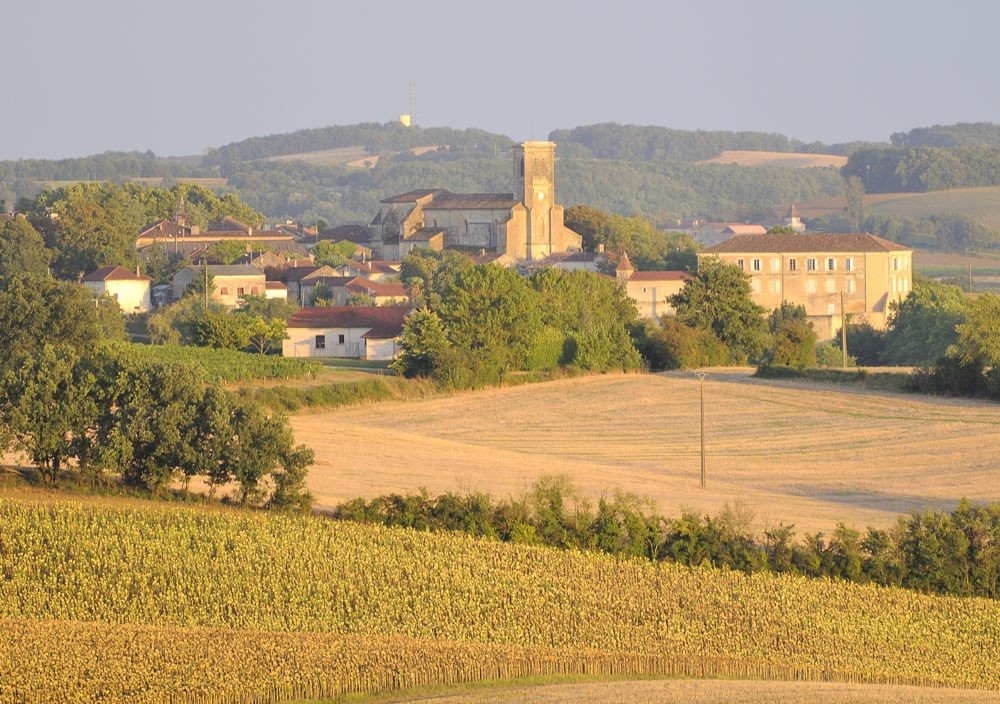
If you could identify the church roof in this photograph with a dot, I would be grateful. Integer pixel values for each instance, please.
(660, 276)
(824, 242)
(471, 201)
(413, 196)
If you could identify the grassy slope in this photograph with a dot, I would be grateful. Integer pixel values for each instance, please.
(795, 452)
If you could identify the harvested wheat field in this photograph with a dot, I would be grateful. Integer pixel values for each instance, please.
(812, 455)
(791, 160)
(712, 692)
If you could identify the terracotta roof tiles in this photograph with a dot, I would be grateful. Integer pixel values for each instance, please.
(823, 242)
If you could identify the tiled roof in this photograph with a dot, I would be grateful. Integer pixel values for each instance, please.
(471, 201)
(384, 322)
(358, 234)
(824, 242)
(228, 224)
(166, 228)
(660, 276)
(115, 273)
(297, 273)
(228, 269)
(425, 234)
(413, 196)
(746, 229)
(275, 286)
(625, 264)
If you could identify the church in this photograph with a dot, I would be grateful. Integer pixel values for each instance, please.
(526, 225)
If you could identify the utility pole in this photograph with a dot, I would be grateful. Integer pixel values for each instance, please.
(843, 329)
(204, 267)
(970, 277)
(701, 376)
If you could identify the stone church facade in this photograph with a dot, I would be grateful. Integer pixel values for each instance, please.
(525, 225)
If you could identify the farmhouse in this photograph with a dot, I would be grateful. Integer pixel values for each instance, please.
(130, 289)
(524, 225)
(232, 282)
(820, 272)
(360, 332)
(651, 290)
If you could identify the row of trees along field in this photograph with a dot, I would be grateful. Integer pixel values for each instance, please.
(932, 551)
(78, 405)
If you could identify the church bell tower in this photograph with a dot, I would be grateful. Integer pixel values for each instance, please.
(534, 185)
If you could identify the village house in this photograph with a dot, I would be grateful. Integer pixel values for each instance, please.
(650, 290)
(359, 332)
(526, 224)
(275, 290)
(231, 282)
(131, 289)
(821, 272)
(343, 289)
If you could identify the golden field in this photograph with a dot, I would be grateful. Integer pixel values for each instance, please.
(807, 454)
(158, 602)
(791, 160)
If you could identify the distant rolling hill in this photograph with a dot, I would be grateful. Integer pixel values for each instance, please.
(981, 204)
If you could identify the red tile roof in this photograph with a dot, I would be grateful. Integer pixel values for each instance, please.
(383, 322)
(115, 273)
(824, 242)
(376, 288)
(275, 286)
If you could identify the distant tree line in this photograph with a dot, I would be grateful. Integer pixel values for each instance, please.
(374, 137)
(922, 168)
(963, 134)
(650, 143)
(932, 551)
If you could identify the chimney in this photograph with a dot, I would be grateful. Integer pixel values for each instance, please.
(600, 248)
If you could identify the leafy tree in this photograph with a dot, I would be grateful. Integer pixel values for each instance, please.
(220, 329)
(793, 340)
(228, 251)
(492, 315)
(265, 320)
(866, 344)
(673, 345)
(35, 310)
(781, 230)
(648, 247)
(203, 282)
(427, 274)
(22, 250)
(290, 493)
(718, 299)
(264, 334)
(594, 315)
(46, 405)
(322, 295)
(332, 254)
(979, 336)
(923, 325)
(956, 232)
(854, 193)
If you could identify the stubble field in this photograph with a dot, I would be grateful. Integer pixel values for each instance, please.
(808, 455)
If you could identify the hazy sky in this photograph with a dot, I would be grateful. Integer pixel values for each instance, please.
(178, 76)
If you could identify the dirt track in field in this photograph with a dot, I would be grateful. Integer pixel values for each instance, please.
(812, 455)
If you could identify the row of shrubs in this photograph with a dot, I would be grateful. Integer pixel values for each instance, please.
(932, 551)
